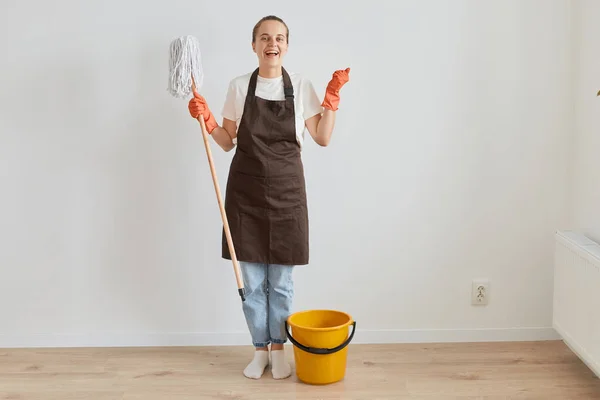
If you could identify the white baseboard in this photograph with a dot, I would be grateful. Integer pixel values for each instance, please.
(243, 338)
(456, 335)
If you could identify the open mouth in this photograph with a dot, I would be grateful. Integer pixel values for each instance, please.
(271, 53)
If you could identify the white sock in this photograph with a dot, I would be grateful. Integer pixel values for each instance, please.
(280, 368)
(257, 366)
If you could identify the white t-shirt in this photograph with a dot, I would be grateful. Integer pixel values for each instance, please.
(306, 101)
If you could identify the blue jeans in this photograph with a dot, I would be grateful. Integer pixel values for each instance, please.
(269, 291)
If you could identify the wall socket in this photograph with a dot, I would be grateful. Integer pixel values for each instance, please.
(480, 292)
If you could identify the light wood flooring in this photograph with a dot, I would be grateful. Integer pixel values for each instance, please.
(531, 370)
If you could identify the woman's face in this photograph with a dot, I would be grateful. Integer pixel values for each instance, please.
(270, 43)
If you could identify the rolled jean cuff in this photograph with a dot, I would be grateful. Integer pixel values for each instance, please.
(279, 341)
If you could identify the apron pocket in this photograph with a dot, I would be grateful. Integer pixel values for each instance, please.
(286, 192)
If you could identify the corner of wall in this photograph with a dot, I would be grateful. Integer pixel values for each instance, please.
(573, 50)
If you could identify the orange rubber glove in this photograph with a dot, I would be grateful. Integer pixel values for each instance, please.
(332, 93)
(197, 107)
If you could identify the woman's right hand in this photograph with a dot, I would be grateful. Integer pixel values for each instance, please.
(197, 106)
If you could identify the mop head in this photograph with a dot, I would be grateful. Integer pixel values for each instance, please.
(185, 63)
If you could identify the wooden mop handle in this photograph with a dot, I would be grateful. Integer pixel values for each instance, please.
(236, 266)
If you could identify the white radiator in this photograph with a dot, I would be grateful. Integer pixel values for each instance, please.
(576, 308)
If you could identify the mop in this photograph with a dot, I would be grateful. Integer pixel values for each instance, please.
(185, 75)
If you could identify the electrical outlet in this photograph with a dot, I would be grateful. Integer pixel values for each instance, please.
(480, 292)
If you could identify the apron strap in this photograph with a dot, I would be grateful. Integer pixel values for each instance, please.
(288, 88)
(252, 84)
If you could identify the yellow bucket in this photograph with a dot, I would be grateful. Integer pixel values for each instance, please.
(320, 339)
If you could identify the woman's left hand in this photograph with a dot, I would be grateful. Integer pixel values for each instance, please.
(332, 93)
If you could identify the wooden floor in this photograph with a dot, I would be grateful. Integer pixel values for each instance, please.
(538, 370)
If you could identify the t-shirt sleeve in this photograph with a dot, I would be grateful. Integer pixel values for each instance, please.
(310, 100)
(229, 108)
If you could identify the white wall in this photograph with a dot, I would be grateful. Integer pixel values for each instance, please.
(448, 163)
(586, 78)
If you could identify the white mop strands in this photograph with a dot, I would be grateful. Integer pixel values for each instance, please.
(185, 63)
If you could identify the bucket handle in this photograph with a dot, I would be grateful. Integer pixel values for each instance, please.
(318, 350)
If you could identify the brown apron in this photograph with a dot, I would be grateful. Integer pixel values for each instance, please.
(265, 196)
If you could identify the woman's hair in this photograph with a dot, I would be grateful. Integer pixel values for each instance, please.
(270, 18)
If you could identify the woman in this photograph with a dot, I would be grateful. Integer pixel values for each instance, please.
(264, 115)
